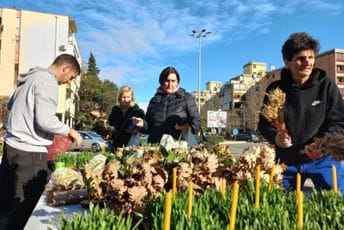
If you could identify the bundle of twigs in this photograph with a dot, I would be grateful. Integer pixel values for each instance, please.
(273, 110)
(331, 143)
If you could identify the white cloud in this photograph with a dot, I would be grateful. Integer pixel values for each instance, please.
(132, 40)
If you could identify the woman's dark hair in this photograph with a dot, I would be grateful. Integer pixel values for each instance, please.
(298, 42)
(165, 72)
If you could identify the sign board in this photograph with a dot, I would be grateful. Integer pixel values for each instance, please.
(216, 119)
(235, 132)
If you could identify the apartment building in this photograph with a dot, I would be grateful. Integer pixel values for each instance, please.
(233, 90)
(212, 88)
(332, 61)
(29, 39)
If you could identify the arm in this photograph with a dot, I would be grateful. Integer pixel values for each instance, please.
(139, 120)
(46, 96)
(111, 118)
(334, 120)
(271, 122)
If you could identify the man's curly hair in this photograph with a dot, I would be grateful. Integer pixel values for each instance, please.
(298, 42)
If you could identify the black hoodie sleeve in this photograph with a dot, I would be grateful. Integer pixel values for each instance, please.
(334, 120)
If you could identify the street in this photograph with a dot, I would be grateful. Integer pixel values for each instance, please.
(237, 147)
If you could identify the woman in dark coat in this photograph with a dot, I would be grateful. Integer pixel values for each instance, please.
(126, 117)
(172, 110)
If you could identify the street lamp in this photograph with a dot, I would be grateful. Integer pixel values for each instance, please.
(199, 34)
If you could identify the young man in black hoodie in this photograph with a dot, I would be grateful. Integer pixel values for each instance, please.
(313, 108)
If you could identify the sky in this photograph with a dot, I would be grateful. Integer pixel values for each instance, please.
(133, 40)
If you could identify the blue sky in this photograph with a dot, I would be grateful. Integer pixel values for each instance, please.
(133, 40)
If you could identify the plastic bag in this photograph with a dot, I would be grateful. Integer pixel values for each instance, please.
(60, 145)
(134, 140)
(170, 143)
(190, 138)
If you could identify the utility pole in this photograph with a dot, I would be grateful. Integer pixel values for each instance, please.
(199, 34)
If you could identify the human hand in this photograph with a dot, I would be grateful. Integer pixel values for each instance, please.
(184, 128)
(283, 140)
(311, 153)
(138, 121)
(76, 136)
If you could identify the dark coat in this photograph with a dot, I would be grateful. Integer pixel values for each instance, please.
(165, 111)
(123, 125)
(310, 111)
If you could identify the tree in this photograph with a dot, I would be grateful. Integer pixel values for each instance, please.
(96, 97)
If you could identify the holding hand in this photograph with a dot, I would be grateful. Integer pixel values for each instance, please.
(184, 128)
(76, 136)
(283, 140)
(311, 153)
(138, 121)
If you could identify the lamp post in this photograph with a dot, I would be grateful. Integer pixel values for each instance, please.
(199, 34)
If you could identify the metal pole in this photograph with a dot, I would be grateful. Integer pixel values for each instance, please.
(199, 34)
(199, 72)
(244, 115)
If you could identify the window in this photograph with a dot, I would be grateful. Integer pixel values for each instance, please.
(340, 57)
(340, 80)
(340, 68)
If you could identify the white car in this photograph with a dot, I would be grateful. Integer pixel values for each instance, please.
(91, 141)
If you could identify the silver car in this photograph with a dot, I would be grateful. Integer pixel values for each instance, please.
(91, 141)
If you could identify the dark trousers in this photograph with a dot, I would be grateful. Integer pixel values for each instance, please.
(23, 176)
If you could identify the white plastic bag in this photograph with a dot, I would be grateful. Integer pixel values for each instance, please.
(190, 138)
(170, 143)
(134, 140)
(186, 140)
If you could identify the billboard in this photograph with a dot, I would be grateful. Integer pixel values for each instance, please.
(216, 119)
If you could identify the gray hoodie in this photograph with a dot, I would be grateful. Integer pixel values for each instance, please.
(32, 122)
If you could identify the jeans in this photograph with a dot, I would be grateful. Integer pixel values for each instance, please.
(318, 170)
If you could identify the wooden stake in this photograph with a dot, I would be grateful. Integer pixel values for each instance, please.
(257, 186)
(167, 211)
(234, 205)
(272, 174)
(190, 196)
(174, 182)
(334, 180)
(300, 210)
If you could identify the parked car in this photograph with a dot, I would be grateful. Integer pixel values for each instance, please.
(92, 141)
(248, 136)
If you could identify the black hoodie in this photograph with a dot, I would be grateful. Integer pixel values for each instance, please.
(310, 111)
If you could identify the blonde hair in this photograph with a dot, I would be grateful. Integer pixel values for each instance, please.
(125, 89)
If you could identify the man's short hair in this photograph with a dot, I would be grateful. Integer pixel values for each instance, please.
(69, 59)
(298, 42)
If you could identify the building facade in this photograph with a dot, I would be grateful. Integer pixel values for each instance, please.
(332, 61)
(212, 88)
(232, 91)
(29, 39)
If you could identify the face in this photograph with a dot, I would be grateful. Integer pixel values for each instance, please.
(301, 65)
(67, 74)
(125, 99)
(170, 85)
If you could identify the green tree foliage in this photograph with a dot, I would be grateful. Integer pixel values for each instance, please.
(95, 96)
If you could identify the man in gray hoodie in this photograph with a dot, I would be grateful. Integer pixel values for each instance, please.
(30, 127)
